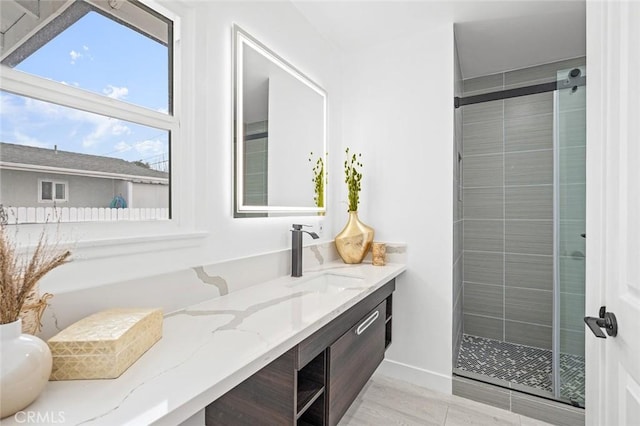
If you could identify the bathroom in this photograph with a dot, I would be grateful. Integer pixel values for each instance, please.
(390, 82)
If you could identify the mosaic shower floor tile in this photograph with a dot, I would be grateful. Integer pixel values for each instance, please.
(524, 365)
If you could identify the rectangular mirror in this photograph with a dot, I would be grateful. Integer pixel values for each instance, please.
(280, 134)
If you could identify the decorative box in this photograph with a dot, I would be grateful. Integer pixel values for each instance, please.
(105, 344)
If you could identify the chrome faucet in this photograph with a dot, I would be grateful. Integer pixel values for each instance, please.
(296, 248)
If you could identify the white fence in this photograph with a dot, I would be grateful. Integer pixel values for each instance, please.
(18, 215)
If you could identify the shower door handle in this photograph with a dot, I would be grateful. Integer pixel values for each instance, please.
(606, 320)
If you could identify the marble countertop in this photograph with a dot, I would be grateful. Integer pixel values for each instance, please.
(206, 350)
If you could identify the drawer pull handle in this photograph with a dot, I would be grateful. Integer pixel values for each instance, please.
(366, 323)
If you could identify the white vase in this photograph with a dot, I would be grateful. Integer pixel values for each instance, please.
(24, 370)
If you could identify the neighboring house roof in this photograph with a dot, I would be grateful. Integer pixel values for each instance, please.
(52, 160)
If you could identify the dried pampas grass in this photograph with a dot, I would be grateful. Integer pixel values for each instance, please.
(19, 275)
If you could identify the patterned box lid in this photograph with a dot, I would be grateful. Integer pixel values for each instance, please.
(105, 332)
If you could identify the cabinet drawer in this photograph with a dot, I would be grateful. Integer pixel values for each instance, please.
(352, 360)
(320, 340)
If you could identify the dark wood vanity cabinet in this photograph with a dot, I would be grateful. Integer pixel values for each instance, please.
(263, 399)
(315, 382)
(352, 360)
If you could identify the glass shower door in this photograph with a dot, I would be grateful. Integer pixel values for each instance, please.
(569, 235)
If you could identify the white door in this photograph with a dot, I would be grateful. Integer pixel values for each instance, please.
(613, 210)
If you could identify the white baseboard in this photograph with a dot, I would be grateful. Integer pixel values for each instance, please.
(427, 379)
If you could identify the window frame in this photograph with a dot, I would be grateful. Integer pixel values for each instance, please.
(100, 239)
(54, 192)
(43, 89)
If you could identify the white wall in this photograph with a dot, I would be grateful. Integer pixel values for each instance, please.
(149, 195)
(204, 230)
(398, 111)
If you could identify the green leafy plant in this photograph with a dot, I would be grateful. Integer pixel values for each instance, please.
(318, 182)
(353, 178)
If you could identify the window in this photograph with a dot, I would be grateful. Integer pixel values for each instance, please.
(89, 96)
(52, 191)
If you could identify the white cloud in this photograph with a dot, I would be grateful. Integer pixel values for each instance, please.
(9, 105)
(150, 147)
(77, 54)
(74, 56)
(115, 92)
(104, 127)
(22, 139)
(44, 108)
(122, 146)
(96, 128)
(118, 128)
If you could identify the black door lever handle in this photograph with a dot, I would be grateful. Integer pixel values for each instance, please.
(595, 324)
(606, 320)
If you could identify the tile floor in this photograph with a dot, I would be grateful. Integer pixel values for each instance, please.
(385, 401)
(520, 364)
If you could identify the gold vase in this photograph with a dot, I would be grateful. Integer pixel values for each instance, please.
(354, 241)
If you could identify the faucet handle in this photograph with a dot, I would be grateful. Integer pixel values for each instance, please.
(298, 227)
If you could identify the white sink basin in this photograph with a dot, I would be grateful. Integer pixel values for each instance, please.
(328, 283)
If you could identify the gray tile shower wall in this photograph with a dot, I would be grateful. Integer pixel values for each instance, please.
(255, 154)
(540, 74)
(507, 212)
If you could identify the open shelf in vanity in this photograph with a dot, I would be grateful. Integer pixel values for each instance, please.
(310, 390)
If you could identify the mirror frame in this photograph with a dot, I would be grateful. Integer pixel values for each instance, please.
(242, 39)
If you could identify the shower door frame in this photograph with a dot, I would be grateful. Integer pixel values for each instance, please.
(555, 330)
(554, 87)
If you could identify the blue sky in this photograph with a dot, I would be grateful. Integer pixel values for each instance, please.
(102, 56)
